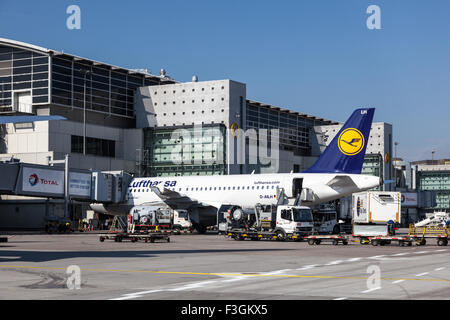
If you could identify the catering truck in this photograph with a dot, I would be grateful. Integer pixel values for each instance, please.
(375, 216)
(279, 222)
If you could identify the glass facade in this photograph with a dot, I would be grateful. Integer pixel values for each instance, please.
(26, 76)
(107, 90)
(438, 181)
(94, 146)
(294, 128)
(190, 151)
(373, 165)
(22, 71)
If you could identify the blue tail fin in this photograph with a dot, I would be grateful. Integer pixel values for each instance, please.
(345, 154)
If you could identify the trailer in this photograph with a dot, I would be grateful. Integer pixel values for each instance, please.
(384, 240)
(135, 237)
(237, 234)
(335, 239)
(420, 234)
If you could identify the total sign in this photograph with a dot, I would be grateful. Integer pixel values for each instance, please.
(43, 181)
(52, 182)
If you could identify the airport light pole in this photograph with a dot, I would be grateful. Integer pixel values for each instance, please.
(86, 72)
(395, 168)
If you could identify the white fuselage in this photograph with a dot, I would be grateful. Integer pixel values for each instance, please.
(246, 190)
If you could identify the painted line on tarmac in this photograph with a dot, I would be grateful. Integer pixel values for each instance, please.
(260, 275)
(370, 290)
(397, 281)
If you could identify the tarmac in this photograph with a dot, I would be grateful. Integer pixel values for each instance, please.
(211, 266)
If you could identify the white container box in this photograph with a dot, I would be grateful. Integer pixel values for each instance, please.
(376, 207)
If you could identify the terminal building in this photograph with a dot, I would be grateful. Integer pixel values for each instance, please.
(131, 120)
(96, 98)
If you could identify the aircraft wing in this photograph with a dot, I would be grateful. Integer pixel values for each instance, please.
(176, 200)
(341, 182)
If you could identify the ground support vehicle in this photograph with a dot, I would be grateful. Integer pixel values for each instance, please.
(156, 218)
(261, 235)
(280, 222)
(334, 239)
(134, 237)
(384, 240)
(421, 234)
(54, 224)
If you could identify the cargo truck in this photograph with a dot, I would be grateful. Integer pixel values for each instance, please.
(375, 217)
(160, 218)
(279, 222)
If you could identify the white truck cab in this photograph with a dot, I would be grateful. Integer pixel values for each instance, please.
(294, 219)
(181, 220)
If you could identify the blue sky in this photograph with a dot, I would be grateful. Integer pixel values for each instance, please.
(313, 56)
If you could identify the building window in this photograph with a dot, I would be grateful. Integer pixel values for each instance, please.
(94, 146)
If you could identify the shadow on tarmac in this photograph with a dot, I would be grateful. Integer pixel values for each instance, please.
(43, 256)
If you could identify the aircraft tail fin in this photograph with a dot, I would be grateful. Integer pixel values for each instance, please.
(345, 154)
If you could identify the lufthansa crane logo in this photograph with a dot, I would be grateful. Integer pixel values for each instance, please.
(351, 141)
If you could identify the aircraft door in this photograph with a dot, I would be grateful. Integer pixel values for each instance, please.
(297, 184)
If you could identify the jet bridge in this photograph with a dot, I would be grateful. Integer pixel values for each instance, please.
(32, 180)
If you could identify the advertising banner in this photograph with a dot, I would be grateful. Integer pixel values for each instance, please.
(43, 181)
(51, 182)
(80, 184)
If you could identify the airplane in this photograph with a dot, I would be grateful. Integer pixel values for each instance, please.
(336, 174)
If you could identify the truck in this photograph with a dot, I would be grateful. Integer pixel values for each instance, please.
(160, 218)
(279, 222)
(375, 216)
(330, 218)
